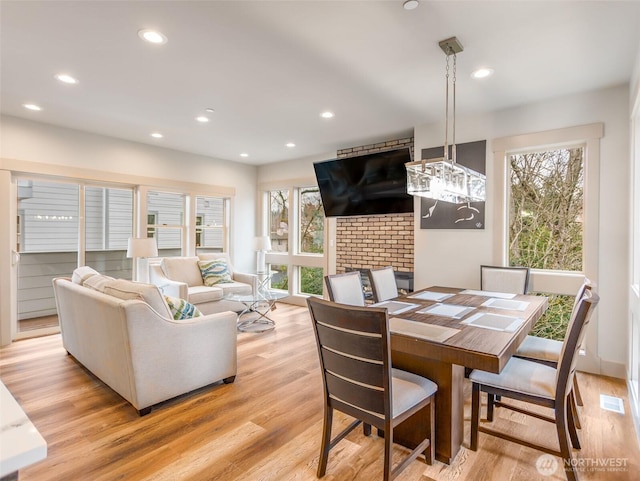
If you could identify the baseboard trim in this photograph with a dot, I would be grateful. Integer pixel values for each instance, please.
(613, 369)
(635, 404)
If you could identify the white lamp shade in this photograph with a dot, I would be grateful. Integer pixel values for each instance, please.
(142, 247)
(262, 243)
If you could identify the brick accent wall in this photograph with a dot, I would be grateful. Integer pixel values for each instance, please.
(363, 242)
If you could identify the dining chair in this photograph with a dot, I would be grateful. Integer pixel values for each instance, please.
(358, 379)
(514, 280)
(536, 383)
(547, 351)
(383, 283)
(345, 288)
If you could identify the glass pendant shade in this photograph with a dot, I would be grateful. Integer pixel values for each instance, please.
(441, 179)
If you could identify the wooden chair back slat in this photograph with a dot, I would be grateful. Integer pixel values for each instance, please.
(364, 398)
(357, 370)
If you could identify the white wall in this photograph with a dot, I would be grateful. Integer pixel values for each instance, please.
(291, 169)
(37, 142)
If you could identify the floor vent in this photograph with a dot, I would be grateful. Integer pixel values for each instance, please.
(611, 403)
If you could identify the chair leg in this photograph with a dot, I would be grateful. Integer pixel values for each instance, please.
(430, 452)
(563, 440)
(491, 399)
(366, 429)
(475, 416)
(326, 441)
(388, 453)
(577, 390)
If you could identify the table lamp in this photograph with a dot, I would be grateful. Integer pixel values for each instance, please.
(261, 245)
(141, 249)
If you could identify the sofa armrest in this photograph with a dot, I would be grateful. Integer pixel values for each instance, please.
(251, 279)
(174, 357)
(167, 286)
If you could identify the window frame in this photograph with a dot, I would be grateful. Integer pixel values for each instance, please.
(549, 281)
(293, 258)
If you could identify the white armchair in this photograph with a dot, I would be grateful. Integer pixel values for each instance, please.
(181, 277)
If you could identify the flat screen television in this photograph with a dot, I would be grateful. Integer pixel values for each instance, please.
(365, 185)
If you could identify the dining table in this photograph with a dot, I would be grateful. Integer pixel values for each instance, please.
(437, 332)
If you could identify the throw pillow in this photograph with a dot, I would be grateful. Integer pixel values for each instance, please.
(83, 273)
(215, 271)
(98, 282)
(181, 309)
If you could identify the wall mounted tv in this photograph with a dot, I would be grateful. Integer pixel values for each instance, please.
(365, 185)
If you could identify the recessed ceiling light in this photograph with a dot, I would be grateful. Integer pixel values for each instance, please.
(152, 36)
(33, 107)
(482, 73)
(202, 119)
(68, 79)
(290, 144)
(157, 135)
(244, 154)
(327, 115)
(410, 4)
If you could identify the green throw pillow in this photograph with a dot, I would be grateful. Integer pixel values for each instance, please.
(181, 309)
(214, 272)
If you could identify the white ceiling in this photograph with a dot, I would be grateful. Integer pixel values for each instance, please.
(269, 68)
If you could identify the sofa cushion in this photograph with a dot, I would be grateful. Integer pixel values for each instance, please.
(214, 271)
(202, 294)
(181, 309)
(182, 269)
(127, 290)
(238, 288)
(81, 274)
(98, 282)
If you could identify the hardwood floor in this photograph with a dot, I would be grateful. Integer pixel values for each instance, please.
(267, 425)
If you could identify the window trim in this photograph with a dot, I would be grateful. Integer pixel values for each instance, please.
(293, 259)
(556, 282)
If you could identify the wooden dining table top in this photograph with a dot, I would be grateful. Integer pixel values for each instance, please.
(472, 347)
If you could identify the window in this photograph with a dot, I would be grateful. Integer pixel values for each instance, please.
(108, 215)
(311, 217)
(57, 232)
(151, 220)
(548, 188)
(311, 279)
(210, 224)
(167, 210)
(546, 209)
(279, 220)
(296, 227)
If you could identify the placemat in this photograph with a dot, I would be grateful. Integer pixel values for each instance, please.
(430, 332)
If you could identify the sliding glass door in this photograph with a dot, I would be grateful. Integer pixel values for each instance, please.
(61, 226)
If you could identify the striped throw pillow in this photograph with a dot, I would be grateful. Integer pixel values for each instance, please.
(215, 271)
(181, 309)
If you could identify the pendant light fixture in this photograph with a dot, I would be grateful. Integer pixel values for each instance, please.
(442, 178)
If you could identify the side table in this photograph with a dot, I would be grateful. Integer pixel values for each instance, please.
(254, 317)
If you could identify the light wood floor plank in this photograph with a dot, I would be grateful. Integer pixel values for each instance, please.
(267, 425)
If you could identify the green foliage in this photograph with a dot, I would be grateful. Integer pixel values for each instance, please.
(311, 222)
(311, 280)
(545, 221)
(553, 325)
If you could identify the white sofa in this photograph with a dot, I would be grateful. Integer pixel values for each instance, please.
(181, 277)
(128, 338)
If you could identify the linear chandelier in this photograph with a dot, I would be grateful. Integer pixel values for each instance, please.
(441, 178)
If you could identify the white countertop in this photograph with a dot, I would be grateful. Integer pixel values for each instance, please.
(20, 442)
